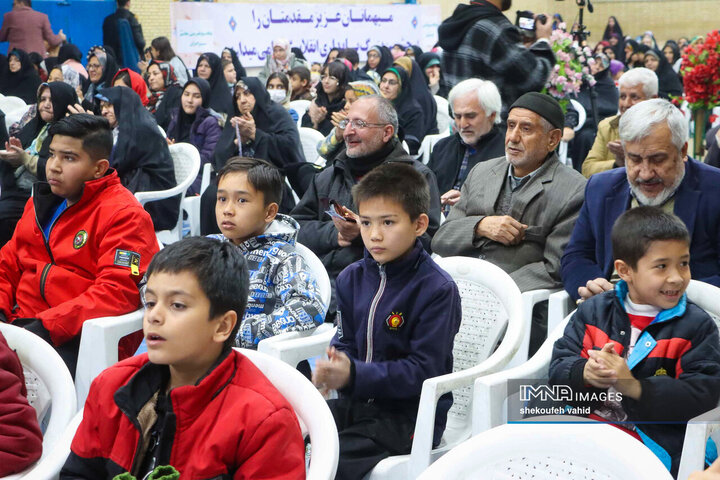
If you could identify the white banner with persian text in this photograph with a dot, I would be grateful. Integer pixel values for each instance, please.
(314, 28)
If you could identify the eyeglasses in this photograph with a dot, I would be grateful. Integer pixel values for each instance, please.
(389, 81)
(330, 77)
(359, 124)
(93, 66)
(373, 55)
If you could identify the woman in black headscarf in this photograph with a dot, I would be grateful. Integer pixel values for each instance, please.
(634, 53)
(209, 67)
(613, 26)
(395, 86)
(414, 52)
(101, 70)
(430, 66)
(671, 50)
(164, 92)
(140, 154)
(330, 97)
(17, 173)
(266, 131)
(669, 83)
(21, 79)
(230, 54)
(379, 59)
(421, 93)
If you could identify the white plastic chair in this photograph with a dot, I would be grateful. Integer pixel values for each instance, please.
(49, 386)
(428, 143)
(99, 347)
(550, 451)
(443, 117)
(313, 413)
(13, 116)
(191, 205)
(300, 106)
(186, 160)
(563, 147)
(698, 430)
(8, 104)
(272, 346)
(309, 137)
(559, 306)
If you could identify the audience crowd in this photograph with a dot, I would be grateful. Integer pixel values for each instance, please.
(621, 221)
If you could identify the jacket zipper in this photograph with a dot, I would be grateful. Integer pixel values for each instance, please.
(46, 240)
(371, 314)
(43, 278)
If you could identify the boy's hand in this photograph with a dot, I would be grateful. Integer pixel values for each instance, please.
(596, 372)
(333, 373)
(623, 379)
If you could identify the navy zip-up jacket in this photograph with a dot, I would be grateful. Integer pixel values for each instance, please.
(676, 359)
(397, 323)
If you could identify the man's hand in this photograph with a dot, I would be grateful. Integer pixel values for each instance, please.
(15, 155)
(616, 149)
(712, 472)
(333, 373)
(596, 372)
(503, 229)
(594, 287)
(624, 381)
(543, 30)
(451, 197)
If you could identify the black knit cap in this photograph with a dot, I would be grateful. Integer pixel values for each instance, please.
(544, 105)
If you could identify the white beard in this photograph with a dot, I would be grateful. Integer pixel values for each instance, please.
(661, 197)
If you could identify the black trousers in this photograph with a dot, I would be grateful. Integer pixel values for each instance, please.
(371, 432)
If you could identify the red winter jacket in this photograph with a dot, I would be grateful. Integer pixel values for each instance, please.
(20, 437)
(97, 251)
(233, 424)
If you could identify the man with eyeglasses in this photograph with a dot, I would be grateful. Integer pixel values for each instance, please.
(326, 212)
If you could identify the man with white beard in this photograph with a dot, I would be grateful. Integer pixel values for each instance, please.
(658, 172)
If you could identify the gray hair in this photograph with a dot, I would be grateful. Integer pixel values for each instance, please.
(641, 76)
(487, 93)
(385, 111)
(638, 122)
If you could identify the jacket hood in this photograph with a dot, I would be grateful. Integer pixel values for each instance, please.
(452, 31)
(284, 228)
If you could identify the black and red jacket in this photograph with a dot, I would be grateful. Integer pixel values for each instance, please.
(233, 424)
(676, 359)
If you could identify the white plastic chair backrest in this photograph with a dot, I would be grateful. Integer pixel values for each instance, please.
(489, 297)
(582, 114)
(540, 451)
(309, 138)
(186, 161)
(47, 378)
(8, 104)
(300, 106)
(405, 147)
(313, 413)
(13, 116)
(705, 296)
(318, 270)
(443, 116)
(429, 142)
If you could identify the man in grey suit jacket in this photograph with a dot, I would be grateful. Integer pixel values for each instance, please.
(518, 211)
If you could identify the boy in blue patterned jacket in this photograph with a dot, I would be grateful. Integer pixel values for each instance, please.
(283, 294)
(398, 313)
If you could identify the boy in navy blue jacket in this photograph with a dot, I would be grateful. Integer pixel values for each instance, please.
(643, 342)
(398, 313)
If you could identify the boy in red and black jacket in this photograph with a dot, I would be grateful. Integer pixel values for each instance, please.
(82, 244)
(644, 342)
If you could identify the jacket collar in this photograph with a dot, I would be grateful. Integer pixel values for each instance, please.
(45, 201)
(621, 292)
(283, 229)
(407, 263)
(188, 401)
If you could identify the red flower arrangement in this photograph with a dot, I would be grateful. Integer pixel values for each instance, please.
(701, 72)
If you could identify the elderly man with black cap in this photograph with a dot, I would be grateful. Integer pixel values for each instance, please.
(518, 211)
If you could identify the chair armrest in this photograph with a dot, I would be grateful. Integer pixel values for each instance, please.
(296, 348)
(491, 391)
(432, 390)
(146, 197)
(51, 463)
(207, 171)
(529, 300)
(693, 451)
(558, 308)
(98, 347)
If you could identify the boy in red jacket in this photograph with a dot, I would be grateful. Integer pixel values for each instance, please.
(191, 402)
(82, 244)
